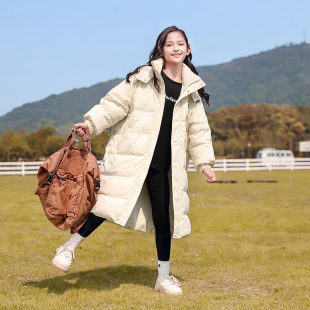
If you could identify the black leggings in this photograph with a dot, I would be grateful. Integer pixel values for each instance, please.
(158, 187)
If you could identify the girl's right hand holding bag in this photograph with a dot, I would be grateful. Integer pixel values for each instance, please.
(81, 129)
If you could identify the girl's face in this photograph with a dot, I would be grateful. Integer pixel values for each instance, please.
(175, 48)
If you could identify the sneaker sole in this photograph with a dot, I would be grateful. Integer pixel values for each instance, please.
(59, 267)
(161, 291)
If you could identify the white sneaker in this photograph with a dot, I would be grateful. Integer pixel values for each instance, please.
(168, 285)
(63, 258)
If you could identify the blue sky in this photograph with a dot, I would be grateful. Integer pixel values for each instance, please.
(48, 47)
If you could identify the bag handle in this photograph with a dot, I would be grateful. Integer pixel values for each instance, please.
(71, 140)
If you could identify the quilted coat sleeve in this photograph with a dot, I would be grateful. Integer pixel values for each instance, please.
(200, 140)
(113, 107)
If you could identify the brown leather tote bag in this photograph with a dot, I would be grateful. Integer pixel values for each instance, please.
(69, 181)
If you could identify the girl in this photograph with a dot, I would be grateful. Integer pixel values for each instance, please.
(158, 121)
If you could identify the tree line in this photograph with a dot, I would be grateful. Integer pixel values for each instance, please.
(233, 128)
(40, 144)
(262, 125)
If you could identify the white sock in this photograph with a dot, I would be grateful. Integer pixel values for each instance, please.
(163, 269)
(74, 241)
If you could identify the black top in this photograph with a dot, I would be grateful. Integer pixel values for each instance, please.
(162, 154)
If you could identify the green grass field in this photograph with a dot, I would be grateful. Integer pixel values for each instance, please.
(249, 249)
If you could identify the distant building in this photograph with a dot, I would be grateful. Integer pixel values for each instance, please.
(271, 155)
(304, 146)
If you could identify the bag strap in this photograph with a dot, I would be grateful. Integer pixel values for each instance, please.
(71, 140)
(59, 159)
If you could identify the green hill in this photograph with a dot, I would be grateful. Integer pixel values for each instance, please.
(280, 75)
(62, 111)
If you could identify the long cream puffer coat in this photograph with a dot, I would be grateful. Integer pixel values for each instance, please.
(135, 111)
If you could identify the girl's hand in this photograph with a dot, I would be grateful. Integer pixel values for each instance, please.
(82, 129)
(210, 175)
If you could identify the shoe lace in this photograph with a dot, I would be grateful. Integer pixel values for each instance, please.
(173, 280)
(67, 252)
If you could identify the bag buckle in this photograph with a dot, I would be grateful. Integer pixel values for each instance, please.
(50, 177)
(97, 184)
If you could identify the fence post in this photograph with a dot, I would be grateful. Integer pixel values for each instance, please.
(270, 165)
(292, 164)
(224, 164)
(23, 168)
(247, 164)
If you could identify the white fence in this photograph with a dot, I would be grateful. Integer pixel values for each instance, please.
(23, 168)
(259, 164)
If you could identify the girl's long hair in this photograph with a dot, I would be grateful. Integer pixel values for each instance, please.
(157, 52)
